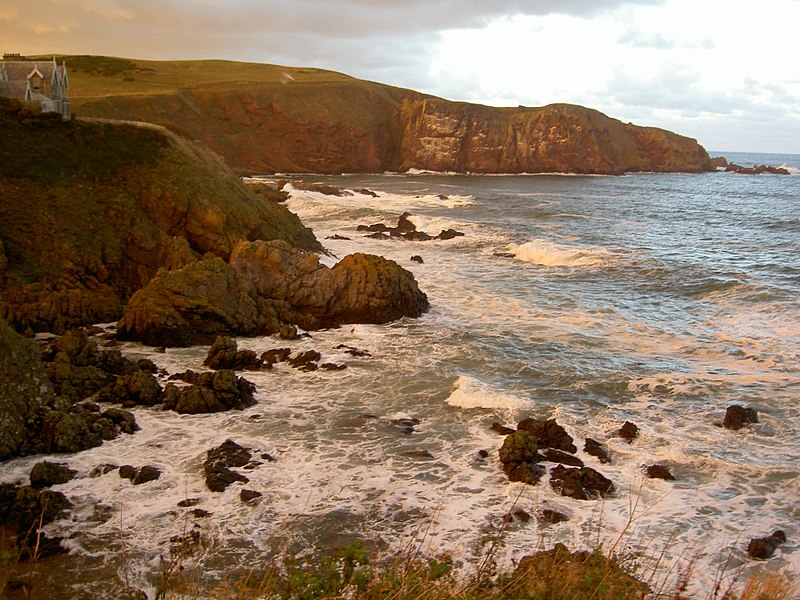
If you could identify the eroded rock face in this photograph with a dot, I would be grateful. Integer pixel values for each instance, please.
(356, 126)
(264, 287)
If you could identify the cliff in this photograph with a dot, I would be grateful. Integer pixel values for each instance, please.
(90, 212)
(263, 118)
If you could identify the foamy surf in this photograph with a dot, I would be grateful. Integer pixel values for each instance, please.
(551, 254)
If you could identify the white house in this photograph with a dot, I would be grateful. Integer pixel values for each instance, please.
(41, 82)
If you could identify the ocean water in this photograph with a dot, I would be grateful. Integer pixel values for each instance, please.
(655, 298)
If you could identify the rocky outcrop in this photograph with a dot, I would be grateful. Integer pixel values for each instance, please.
(406, 230)
(225, 354)
(264, 287)
(330, 123)
(755, 169)
(26, 393)
(122, 202)
(582, 483)
(209, 393)
(219, 462)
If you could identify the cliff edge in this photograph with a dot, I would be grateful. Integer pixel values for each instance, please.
(268, 119)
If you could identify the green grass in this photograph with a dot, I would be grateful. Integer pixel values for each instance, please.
(95, 77)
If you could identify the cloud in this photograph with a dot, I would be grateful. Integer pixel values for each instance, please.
(637, 39)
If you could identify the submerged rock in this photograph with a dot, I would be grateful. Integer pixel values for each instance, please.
(659, 472)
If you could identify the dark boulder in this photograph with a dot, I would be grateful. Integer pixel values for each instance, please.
(582, 484)
(501, 429)
(557, 456)
(659, 472)
(353, 351)
(597, 450)
(549, 434)
(250, 496)
(417, 259)
(276, 355)
(224, 354)
(218, 463)
(764, 548)
(211, 392)
(145, 474)
(45, 474)
(628, 432)
(449, 234)
(23, 510)
(138, 388)
(306, 361)
(737, 416)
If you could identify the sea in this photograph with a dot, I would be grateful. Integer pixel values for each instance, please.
(659, 299)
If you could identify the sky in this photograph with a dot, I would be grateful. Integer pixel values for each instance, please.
(723, 72)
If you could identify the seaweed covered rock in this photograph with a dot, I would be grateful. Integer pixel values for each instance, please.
(46, 473)
(264, 287)
(519, 457)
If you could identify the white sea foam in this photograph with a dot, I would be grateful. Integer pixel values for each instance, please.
(551, 254)
(469, 392)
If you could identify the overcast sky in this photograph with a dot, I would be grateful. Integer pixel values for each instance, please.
(724, 72)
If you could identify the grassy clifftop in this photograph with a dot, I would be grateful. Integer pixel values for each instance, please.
(90, 211)
(268, 118)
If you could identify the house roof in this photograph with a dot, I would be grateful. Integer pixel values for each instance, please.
(19, 70)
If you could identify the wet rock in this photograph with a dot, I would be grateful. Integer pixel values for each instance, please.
(548, 434)
(145, 474)
(519, 456)
(189, 502)
(755, 169)
(22, 510)
(557, 456)
(218, 464)
(404, 225)
(224, 354)
(122, 419)
(405, 425)
(764, 548)
(46, 474)
(250, 496)
(276, 355)
(737, 416)
(582, 484)
(306, 361)
(211, 392)
(101, 470)
(501, 429)
(659, 472)
(417, 236)
(552, 517)
(379, 235)
(449, 234)
(332, 367)
(366, 192)
(518, 514)
(483, 454)
(336, 236)
(128, 472)
(417, 259)
(628, 432)
(200, 513)
(597, 450)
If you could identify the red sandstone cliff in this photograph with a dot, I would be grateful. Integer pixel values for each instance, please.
(349, 125)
